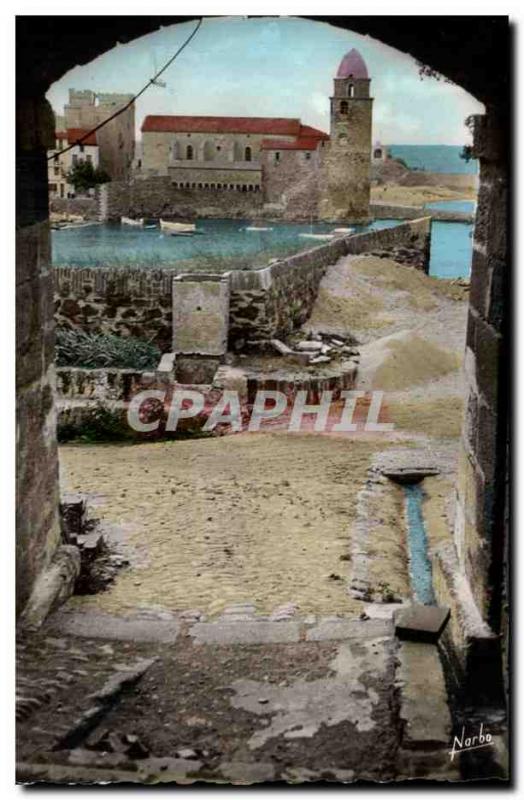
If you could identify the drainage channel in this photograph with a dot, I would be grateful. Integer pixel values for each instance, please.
(419, 564)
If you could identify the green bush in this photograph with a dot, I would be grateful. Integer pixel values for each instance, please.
(100, 424)
(97, 350)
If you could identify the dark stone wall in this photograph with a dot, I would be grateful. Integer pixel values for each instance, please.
(157, 197)
(127, 303)
(84, 206)
(37, 532)
(479, 531)
(273, 301)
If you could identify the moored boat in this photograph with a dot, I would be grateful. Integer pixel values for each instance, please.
(178, 228)
(129, 221)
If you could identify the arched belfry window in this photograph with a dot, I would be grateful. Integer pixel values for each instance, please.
(189, 152)
(351, 90)
(344, 107)
(247, 154)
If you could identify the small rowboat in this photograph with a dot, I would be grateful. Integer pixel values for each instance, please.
(344, 230)
(257, 228)
(323, 236)
(178, 228)
(128, 221)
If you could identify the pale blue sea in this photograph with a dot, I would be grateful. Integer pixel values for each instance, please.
(434, 157)
(226, 244)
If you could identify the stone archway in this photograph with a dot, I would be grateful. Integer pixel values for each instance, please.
(451, 47)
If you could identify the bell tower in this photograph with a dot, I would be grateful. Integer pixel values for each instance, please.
(346, 184)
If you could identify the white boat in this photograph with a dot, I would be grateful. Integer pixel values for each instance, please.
(178, 228)
(323, 236)
(129, 221)
(256, 228)
(344, 230)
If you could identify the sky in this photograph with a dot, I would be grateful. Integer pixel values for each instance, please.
(277, 67)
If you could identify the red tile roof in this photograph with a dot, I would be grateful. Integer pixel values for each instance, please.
(74, 134)
(60, 135)
(284, 144)
(279, 126)
(308, 132)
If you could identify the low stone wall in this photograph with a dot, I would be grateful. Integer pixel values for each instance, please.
(133, 302)
(273, 301)
(106, 384)
(264, 303)
(83, 206)
(387, 211)
(157, 197)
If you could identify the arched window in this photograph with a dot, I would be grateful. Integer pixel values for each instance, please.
(377, 153)
(247, 154)
(189, 152)
(344, 107)
(209, 151)
(237, 152)
(351, 90)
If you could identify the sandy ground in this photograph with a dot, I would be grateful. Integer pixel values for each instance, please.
(418, 195)
(268, 518)
(256, 517)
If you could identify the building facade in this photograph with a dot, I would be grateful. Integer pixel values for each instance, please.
(226, 153)
(282, 158)
(58, 166)
(380, 153)
(116, 140)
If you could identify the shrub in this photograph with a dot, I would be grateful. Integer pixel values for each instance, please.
(96, 350)
(99, 424)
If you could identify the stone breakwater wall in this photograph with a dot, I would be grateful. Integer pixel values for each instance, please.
(83, 206)
(133, 302)
(271, 302)
(157, 197)
(387, 211)
(264, 303)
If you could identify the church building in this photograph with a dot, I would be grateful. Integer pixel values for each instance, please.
(281, 158)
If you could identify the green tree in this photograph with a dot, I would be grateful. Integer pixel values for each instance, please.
(467, 152)
(84, 176)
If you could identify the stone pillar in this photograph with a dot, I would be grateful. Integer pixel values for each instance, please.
(480, 528)
(200, 325)
(37, 460)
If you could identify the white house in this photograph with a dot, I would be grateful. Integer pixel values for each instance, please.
(59, 165)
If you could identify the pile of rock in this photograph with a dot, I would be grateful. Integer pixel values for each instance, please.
(98, 563)
(317, 348)
(409, 256)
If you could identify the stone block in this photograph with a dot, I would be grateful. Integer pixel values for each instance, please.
(200, 316)
(421, 623)
(167, 362)
(245, 632)
(105, 626)
(340, 629)
(488, 352)
(423, 697)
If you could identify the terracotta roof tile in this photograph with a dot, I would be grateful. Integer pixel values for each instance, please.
(279, 126)
(308, 132)
(74, 134)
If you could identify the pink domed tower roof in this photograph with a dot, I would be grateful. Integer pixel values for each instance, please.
(352, 65)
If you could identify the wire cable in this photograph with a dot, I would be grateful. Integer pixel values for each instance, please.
(133, 99)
